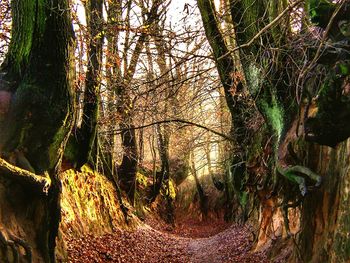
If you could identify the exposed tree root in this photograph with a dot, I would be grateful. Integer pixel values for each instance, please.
(291, 173)
(42, 181)
(7, 239)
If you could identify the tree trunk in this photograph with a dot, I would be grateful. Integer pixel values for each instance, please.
(128, 168)
(274, 88)
(325, 214)
(202, 196)
(129, 165)
(86, 135)
(162, 177)
(237, 103)
(35, 127)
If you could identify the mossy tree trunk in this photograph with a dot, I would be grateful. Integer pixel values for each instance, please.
(163, 131)
(273, 84)
(236, 99)
(35, 127)
(202, 196)
(325, 215)
(86, 135)
(113, 77)
(162, 177)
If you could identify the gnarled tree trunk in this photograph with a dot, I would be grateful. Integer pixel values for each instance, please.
(34, 128)
(295, 168)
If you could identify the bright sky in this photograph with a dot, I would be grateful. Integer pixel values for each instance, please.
(177, 9)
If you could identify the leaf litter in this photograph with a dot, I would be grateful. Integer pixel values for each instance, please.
(149, 245)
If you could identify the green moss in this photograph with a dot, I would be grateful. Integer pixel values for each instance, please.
(23, 133)
(254, 79)
(274, 114)
(140, 193)
(32, 23)
(71, 150)
(57, 141)
(275, 8)
(343, 69)
(141, 179)
(86, 169)
(40, 17)
(252, 10)
(206, 8)
(300, 181)
(243, 199)
(256, 148)
(89, 203)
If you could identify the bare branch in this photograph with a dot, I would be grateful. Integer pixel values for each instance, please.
(177, 121)
(264, 29)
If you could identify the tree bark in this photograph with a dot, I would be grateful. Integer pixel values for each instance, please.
(87, 137)
(36, 125)
(202, 196)
(271, 84)
(161, 177)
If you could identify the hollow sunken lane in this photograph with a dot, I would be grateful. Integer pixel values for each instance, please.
(231, 245)
(149, 245)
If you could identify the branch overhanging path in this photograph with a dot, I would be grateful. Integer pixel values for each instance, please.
(116, 131)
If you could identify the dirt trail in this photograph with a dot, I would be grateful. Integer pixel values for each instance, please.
(231, 245)
(148, 245)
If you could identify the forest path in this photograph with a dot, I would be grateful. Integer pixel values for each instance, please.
(149, 245)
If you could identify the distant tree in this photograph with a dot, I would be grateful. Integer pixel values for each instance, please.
(124, 67)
